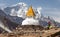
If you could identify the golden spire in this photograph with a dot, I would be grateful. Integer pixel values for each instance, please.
(30, 12)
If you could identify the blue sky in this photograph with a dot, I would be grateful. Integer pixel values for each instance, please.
(49, 7)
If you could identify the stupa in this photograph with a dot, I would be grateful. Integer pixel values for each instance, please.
(30, 18)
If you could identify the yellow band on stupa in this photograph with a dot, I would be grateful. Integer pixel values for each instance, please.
(30, 12)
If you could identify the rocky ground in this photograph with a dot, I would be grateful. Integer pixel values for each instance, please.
(32, 31)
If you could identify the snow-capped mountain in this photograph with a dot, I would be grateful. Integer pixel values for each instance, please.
(13, 16)
(9, 21)
(19, 10)
(44, 20)
(16, 10)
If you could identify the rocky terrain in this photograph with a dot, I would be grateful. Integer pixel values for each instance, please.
(32, 31)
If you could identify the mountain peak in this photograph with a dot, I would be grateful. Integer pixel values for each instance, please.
(19, 4)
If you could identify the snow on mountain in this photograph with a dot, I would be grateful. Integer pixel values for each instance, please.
(7, 22)
(19, 10)
(13, 12)
(38, 13)
(2, 24)
(16, 10)
(12, 18)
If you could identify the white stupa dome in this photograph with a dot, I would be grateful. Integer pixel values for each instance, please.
(30, 21)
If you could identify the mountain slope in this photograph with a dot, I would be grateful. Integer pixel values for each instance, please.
(6, 22)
